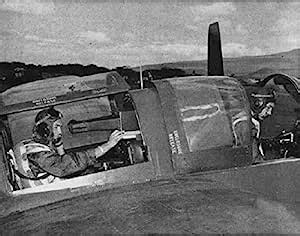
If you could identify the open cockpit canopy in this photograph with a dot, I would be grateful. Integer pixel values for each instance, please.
(60, 90)
(290, 83)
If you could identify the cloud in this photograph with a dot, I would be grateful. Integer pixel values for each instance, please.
(32, 37)
(217, 8)
(293, 41)
(36, 7)
(193, 27)
(238, 49)
(287, 24)
(39, 39)
(6, 33)
(94, 36)
(176, 48)
(135, 54)
(241, 29)
(294, 4)
(179, 49)
(285, 30)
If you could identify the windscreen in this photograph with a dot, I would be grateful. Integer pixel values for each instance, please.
(213, 112)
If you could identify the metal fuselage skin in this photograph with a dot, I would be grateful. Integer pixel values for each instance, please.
(175, 118)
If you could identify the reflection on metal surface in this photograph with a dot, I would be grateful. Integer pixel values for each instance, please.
(209, 110)
(239, 123)
(213, 112)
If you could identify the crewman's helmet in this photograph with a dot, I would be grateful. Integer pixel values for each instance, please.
(43, 128)
(260, 98)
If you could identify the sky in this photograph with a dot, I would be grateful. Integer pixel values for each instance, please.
(130, 33)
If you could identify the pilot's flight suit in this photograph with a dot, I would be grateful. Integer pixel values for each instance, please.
(60, 166)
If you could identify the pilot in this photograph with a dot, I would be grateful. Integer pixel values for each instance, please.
(46, 151)
(262, 105)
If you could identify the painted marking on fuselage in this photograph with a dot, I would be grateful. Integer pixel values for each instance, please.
(43, 101)
(175, 143)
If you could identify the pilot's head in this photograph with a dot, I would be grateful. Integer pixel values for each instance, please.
(47, 128)
(263, 103)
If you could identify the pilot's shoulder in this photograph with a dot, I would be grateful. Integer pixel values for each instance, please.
(30, 147)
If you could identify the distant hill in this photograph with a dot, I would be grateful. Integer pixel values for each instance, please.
(15, 73)
(244, 68)
(253, 66)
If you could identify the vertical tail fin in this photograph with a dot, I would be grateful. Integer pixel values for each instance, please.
(215, 59)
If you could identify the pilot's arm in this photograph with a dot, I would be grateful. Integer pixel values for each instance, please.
(114, 138)
(72, 163)
(63, 165)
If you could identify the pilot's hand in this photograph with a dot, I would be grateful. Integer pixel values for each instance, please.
(115, 137)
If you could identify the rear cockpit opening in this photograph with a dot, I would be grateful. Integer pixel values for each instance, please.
(86, 124)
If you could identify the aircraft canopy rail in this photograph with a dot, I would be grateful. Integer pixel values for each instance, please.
(290, 83)
(60, 90)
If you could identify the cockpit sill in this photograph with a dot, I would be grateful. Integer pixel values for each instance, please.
(23, 200)
(141, 172)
